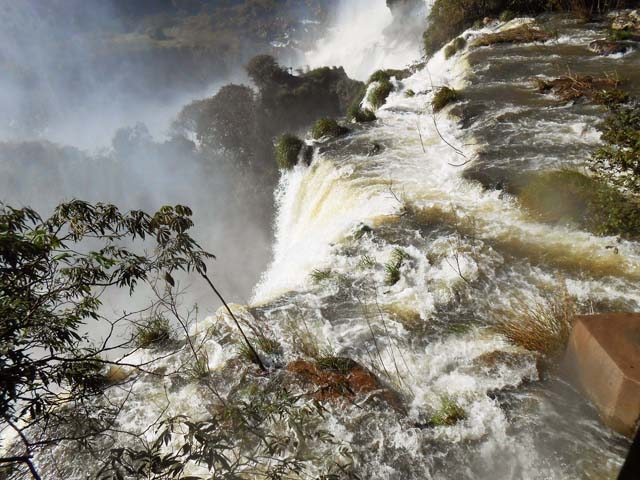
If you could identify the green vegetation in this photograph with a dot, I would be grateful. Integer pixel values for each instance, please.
(449, 18)
(409, 93)
(328, 127)
(155, 330)
(590, 202)
(443, 97)
(392, 267)
(54, 272)
(618, 161)
(320, 275)
(358, 114)
(454, 47)
(246, 436)
(287, 151)
(541, 326)
(449, 414)
(366, 261)
(378, 95)
(336, 364)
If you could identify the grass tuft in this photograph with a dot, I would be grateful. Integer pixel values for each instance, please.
(320, 275)
(449, 414)
(392, 267)
(539, 326)
(155, 330)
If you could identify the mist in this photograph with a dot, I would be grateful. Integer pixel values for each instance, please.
(90, 90)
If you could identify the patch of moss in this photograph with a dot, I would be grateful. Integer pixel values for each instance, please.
(287, 151)
(409, 93)
(443, 97)
(328, 127)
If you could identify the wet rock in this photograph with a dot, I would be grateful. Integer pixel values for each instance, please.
(335, 379)
(492, 362)
(608, 47)
(627, 21)
(521, 34)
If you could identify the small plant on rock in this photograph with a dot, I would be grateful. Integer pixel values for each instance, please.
(449, 414)
(152, 331)
(393, 267)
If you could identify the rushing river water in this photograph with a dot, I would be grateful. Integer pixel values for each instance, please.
(427, 188)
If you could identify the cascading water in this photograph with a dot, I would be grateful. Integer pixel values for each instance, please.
(387, 253)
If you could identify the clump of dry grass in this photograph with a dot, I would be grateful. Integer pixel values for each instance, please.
(572, 88)
(541, 326)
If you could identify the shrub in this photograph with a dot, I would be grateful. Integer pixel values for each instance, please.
(152, 331)
(378, 95)
(449, 413)
(327, 127)
(443, 97)
(618, 161)
(385, 75)
(287, 151)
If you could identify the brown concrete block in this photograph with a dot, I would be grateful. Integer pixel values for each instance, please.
(604, 356)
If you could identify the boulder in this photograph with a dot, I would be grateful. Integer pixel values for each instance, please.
(603, 358)
(335, 379)
(627, 21)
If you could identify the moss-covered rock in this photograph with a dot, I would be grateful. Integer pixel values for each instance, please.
(288, 150)
(328, 127)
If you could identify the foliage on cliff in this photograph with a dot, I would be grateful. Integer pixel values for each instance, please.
(449, 18)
